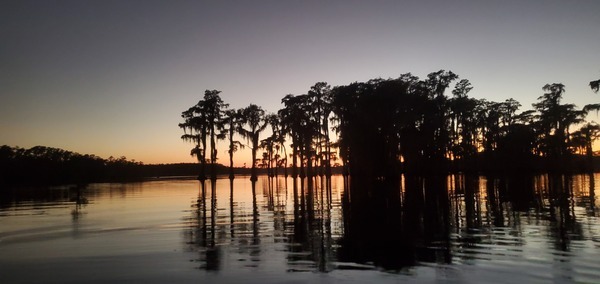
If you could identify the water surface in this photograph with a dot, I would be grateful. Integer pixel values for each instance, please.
(463, 229)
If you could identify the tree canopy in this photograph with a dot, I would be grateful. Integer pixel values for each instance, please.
(383, 127)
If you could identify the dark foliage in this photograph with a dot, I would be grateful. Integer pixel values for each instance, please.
(385, 127)
(46, 165)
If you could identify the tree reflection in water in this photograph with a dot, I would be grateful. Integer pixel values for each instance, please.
(202, 232)
(324, 224)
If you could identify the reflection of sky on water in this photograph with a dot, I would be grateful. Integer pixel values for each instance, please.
(269, 232)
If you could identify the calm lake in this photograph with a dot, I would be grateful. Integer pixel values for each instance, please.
(461, 229)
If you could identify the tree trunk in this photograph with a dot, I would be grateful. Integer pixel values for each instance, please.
(295, 159)
(202, 175)
(253, 175)
(213, 154)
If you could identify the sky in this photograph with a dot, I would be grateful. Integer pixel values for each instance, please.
(111, 78)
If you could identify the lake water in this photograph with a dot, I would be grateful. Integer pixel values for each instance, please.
(457, 229)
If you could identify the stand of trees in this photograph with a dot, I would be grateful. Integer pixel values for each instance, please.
(383, 127)
(47, 165)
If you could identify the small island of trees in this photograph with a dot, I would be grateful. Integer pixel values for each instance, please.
(382, 128)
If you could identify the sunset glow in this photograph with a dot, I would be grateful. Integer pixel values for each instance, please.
(111, 78)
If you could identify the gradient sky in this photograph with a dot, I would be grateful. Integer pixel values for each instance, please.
(112, 77)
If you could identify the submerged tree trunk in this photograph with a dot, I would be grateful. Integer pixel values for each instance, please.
(285, 163)
(213, 154)
(589, 153)
(295, 159)
(327, 151)
(253, 174)
(202, 175)
(231, 174)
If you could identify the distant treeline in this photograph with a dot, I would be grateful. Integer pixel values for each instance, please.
(47, 165)
(42, 165)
